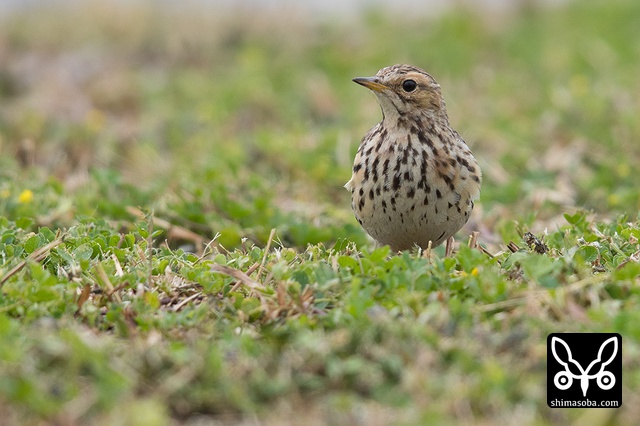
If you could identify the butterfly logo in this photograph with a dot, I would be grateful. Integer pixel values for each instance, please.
(564, 379)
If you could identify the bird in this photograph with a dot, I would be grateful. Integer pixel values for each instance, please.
(414, 179)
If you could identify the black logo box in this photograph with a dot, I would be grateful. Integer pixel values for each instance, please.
(584, 370)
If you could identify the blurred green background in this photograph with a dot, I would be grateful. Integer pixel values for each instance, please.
(235, 118)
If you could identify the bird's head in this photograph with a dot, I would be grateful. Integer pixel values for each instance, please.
(405, 89)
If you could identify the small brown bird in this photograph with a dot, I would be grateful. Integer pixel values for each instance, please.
(414, 178)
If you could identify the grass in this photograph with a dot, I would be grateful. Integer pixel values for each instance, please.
(176, 245)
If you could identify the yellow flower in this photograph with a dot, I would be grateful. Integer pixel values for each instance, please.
(25, 196)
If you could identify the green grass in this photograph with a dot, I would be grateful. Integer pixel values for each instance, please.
(149, 153)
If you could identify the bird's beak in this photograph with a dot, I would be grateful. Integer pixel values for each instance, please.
(371, 83)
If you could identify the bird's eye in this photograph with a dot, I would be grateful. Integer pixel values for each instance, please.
(409, 85)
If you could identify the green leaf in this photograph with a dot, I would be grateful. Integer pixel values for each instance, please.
(32, 244)
(586, 254)
(348, 262)
(537, 266)
(83, 252)
(629, 271)
(514, 258)
(575, 219)
(24, 223)
(47, 233)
